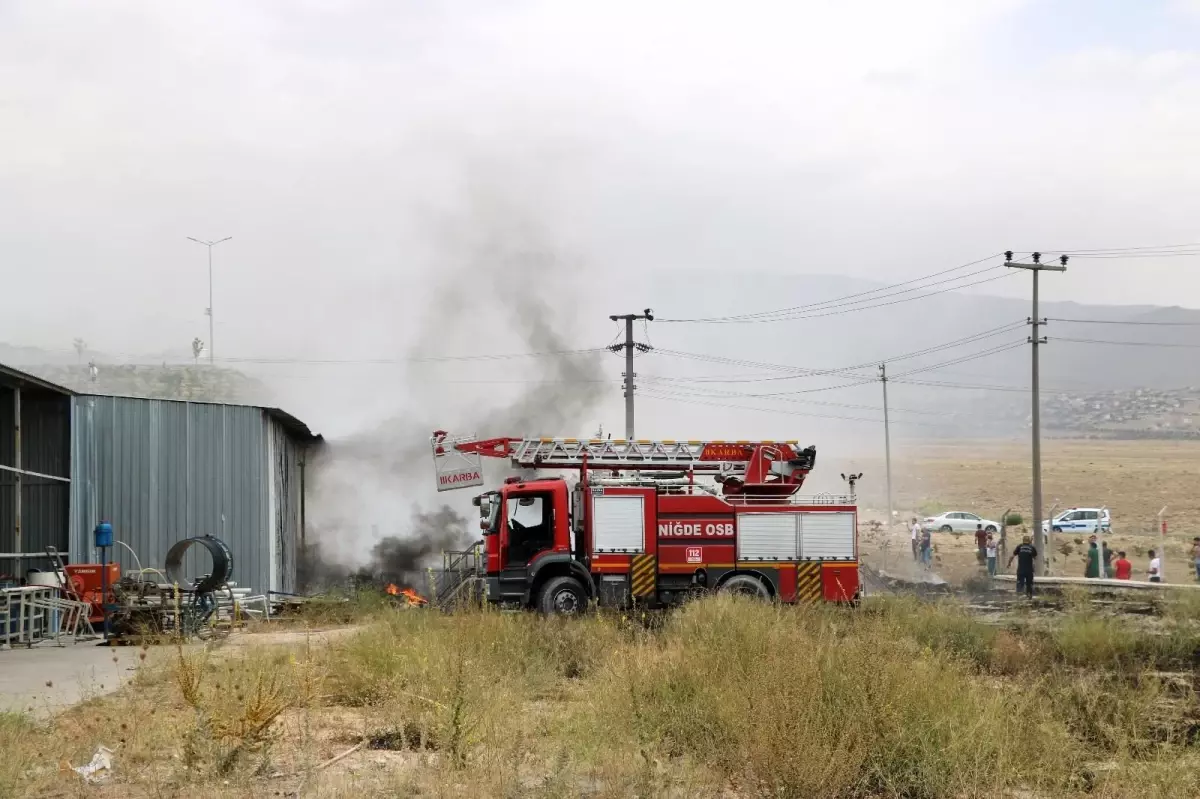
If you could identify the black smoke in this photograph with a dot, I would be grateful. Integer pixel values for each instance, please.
(507, 276)
(400, 558)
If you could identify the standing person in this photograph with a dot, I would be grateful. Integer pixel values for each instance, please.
(1196, 556)
(1092, 570)
(1155, 570)
(1106, 556)
(993, 551)
(1024, 554)
(1123, 568)
(980, 543)
(915, 531)
(926, 548)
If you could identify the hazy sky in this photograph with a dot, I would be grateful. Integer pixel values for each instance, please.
(340, 142)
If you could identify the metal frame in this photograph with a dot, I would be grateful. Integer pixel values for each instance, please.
(19, 484)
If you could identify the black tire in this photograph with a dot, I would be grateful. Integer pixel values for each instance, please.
(745, 585)
(1057, 529)
(946, 529)
(991, 528)
(562, 596)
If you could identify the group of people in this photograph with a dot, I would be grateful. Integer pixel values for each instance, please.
(1025, 554)
(922, 545)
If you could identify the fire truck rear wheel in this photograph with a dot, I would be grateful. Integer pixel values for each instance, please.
(745, 585)
(562, 596)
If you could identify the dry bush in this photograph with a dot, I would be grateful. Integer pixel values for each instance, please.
(803, 702)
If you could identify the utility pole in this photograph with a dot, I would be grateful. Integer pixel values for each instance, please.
(212, 348)
(1035, 339)
(887, 442)
(629, 346)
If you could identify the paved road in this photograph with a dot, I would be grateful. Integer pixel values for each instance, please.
(46, 679)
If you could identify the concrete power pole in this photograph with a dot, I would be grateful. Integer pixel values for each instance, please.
(1035, 339)
(629, 346)
(887, 442)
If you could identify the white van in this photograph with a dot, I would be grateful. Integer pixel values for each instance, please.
(1080, 520)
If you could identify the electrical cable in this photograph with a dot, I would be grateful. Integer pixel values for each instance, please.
(780, 398)
(798, 314)
(964, 359)
(1127, 343)
(1122, 322)
(844, 297)
(690, 401)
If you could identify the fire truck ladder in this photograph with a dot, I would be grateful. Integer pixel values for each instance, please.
(567, 452)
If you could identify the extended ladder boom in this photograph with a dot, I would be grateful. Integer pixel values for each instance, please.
(700, 456)
(740, 465)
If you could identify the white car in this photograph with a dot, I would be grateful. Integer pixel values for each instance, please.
(958, 522)
(1080, 520)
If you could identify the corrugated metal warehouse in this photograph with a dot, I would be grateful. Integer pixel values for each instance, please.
(158, 470)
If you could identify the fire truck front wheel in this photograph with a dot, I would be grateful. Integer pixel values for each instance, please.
(562, 596)
(745, 585)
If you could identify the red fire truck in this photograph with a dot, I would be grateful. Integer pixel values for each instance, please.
(638, 527)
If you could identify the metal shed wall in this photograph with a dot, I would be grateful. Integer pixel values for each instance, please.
(162, 470)
(45, 426)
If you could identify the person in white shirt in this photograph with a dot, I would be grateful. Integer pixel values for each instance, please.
(916, 534)
(993, 552)
(1155, 570)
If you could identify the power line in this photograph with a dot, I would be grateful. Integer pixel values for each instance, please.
(964, 359)
(1124, 322)
(650, 393)
(820, 310)
(1126, 249)
(427, 359)
(1122, 256)
(1128, 343)
(779, 397)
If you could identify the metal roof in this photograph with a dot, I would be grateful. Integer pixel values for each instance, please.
(15, 377)
(289, 422)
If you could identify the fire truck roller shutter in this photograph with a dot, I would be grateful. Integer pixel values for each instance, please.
(767, 536)
(827, 535)
(618, 524)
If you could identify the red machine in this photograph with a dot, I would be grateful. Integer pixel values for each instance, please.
(637, 526)
(86, 583)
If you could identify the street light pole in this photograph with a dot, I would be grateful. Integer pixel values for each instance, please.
(212, 349)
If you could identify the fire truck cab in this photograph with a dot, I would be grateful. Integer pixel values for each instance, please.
(636, 528)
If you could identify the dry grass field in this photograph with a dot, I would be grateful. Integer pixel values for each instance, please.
(1134, 479)
(726, 698)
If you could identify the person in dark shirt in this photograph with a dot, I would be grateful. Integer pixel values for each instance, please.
(1024, 554)
(980, 543)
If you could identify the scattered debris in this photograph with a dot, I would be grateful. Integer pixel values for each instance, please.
(99, 769)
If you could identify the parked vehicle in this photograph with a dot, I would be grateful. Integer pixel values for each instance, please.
(958, 522)
(1079, 520)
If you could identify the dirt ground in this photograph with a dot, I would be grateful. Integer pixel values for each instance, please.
(1134, 479)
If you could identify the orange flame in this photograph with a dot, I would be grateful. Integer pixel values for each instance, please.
(413, 597)
(410, 595)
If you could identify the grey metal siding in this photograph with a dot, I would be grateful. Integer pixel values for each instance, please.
(45, 504)
(285, 496)
(161, 471)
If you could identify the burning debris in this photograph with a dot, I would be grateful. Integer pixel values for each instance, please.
(407, 594)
